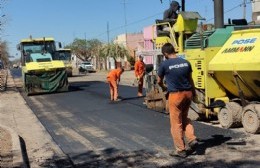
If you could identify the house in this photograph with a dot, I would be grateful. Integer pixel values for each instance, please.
(256, 12)
(133, 42)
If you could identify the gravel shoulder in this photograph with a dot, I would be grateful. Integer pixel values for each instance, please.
(39, 149)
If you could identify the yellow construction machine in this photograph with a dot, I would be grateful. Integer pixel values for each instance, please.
(64, 55)
(226, 69)
(40, 73)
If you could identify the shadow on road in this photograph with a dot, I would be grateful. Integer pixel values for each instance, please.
(132, 98)
(24, 152)
(216, 140)
(112, 157)
(189, 163)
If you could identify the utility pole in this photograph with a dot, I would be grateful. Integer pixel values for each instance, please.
(125, 23)
(108, 40)
(85, 46)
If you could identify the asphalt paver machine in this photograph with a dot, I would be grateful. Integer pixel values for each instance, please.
(226, 68)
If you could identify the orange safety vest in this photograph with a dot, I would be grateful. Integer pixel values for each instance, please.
(139, 68)
(114, 75)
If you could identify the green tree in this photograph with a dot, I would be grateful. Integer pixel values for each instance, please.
(113, 50)
(85, 49)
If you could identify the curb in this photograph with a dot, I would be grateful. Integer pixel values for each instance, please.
(21, 159)
(16, 148)
(18, 159)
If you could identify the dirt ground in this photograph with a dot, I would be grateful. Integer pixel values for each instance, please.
(5, 148)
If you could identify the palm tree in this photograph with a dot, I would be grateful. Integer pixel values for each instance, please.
(114, 51)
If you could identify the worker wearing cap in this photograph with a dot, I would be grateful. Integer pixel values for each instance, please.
(170, 15)
(180, 85)
(113, 79)
(139, 73)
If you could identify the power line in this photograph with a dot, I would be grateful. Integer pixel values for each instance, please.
(237, 6)
(160, 13)
(131, 23)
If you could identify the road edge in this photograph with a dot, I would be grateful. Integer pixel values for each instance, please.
(59, 153)
(17, 154)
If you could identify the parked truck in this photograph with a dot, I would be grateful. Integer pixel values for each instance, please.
(40, 72)
(226, 69)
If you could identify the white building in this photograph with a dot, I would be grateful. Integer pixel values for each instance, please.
(256, 11)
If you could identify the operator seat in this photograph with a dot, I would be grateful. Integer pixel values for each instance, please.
(239, 22)
(159, 28)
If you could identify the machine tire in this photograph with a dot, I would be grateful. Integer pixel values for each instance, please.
(69, 74)
(230, 116)
(251, 118)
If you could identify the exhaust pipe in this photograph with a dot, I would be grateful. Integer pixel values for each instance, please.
(218, 13)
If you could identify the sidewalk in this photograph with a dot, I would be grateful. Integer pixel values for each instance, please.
(38, 147)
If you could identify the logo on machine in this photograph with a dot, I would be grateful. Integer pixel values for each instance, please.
(243, 45)
(244, 41)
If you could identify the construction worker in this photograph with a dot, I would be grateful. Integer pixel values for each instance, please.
(177, 72)
(170, 15)
(139, 73)
(113, 79)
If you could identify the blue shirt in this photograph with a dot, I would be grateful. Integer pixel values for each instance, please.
(177, 73)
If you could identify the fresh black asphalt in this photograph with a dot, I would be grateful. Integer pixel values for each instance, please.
(94, 132)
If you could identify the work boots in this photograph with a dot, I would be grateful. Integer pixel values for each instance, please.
(180, 154)
(192, 146)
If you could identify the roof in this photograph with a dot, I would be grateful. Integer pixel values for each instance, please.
(37, 39)
(191, 15)
(64, 49)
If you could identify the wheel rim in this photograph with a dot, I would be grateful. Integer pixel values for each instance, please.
(225, 118)
(250, 120)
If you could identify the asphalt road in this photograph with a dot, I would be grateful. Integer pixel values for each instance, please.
(94, 132)
(16, 72)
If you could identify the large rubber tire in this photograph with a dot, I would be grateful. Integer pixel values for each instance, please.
(251, 118)
(230, 115)
(69, 73)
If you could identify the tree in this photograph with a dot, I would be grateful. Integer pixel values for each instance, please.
(131, 60)
(95, 46)
(85, 49)
(113, 50)
(4, 53)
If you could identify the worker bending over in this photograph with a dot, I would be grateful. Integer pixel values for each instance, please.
(113, 79)
(139, 73)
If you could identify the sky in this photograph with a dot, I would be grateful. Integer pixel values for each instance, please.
(66, 20)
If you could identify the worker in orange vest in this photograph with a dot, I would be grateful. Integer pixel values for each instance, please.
(139, 73)
(113, 79)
